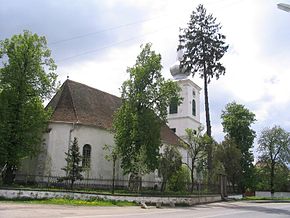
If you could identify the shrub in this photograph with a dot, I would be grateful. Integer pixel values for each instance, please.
(178, 181)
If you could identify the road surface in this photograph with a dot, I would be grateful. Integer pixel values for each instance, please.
(221, 209)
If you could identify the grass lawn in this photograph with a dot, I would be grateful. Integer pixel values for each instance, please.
(264, 198)
(74, 202)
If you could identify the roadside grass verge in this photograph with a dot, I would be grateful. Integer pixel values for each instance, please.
(73, 202)
(254, 198)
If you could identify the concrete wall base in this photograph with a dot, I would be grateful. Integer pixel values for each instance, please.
(14, 194)
(267, 194)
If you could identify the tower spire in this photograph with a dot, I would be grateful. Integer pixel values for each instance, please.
(176, 70)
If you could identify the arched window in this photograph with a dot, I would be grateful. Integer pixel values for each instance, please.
(86, 163)
(193, 107)
(173, 107)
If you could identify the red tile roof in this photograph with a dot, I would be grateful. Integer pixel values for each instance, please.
(76, 102)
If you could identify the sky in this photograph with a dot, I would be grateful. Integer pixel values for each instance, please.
(94, 42)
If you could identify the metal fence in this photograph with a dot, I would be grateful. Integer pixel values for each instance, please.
(58, 182)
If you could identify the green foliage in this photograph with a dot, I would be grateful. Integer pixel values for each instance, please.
(74, 202)
(204, 47)
(73, 166)
(178, 181)
(281, 180)
(229, 155)
(145, 98)
(112, 155)
(196, 149)
(170, 162)
(112, 152)
(27, 78)
(274, 145)
(237, 121)
(274, 149)
(254, 198)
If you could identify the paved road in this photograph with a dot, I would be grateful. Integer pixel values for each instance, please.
(224, 209)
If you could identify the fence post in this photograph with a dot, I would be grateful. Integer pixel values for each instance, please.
(221, 186)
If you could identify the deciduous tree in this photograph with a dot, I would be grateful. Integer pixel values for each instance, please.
(112, 155)
(179, 181)
(237, 121)
(195, 147)
(145, 99)
(170, 163)
(229, 155)
(27, 78)
(274, 149)
(281, 179)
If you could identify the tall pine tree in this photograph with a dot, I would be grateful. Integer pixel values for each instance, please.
(203, 46)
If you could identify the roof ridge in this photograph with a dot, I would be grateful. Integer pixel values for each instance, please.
(54, 97)
(92, 88)
(72, 100)
(60, 92)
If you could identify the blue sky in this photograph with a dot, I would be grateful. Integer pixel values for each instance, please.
(94, 42)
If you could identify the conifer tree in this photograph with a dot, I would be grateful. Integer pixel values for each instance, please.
(203, 46)
(73, 166)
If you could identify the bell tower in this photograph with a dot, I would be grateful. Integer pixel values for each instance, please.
(187, 114)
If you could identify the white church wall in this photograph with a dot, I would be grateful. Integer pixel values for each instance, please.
(58, 142)
(181, 123)
(189, 92)
(97, 138)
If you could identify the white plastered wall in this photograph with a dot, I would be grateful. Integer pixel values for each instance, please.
(57, 144)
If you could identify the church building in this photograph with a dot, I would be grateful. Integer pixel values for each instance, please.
(87, 113)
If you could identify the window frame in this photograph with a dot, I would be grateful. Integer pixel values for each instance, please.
(86, 156)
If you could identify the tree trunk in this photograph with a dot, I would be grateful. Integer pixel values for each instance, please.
(206, 105)
(233, 185)
(113, 182)
(163, 185)
(72, 184)
(135, 182)
(208, 130)
(272, 179)
(9, 175)
(192, 177)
